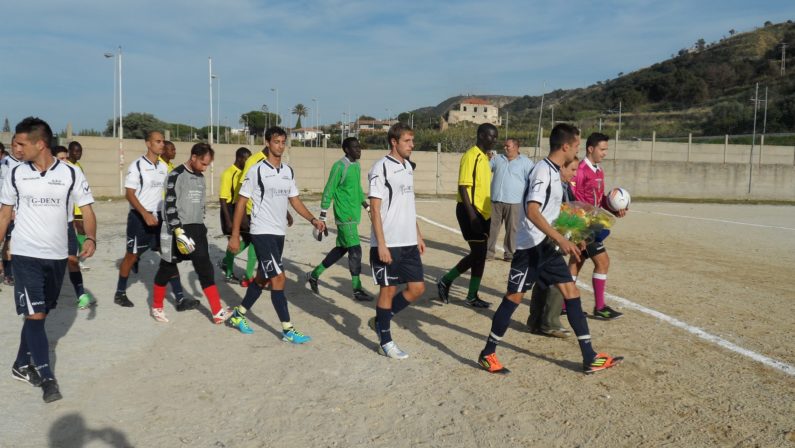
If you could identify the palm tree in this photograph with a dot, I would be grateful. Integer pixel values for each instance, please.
(301, 111)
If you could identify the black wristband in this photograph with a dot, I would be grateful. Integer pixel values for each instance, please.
(88, 238)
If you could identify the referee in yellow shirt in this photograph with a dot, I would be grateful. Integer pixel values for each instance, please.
(230, 185)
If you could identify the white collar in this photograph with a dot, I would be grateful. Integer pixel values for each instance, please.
(594, 168)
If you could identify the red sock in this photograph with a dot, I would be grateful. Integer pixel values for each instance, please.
(159, 295)
(599, 281)
(212, 296)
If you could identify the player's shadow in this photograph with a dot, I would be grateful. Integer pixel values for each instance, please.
(70, 431)
(62, 318)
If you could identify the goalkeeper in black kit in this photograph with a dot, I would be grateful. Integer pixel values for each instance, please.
(184, 235)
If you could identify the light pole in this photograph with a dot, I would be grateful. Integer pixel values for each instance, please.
(278, 117)
(314, 106)
(540, 114)
(121, 128)
(108, 56)
(267, 115)
(210, 79)
(218, 111)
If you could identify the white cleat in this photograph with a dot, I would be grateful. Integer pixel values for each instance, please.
(391, 350)
(159, 315)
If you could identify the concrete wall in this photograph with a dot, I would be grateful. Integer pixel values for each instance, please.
(630, 165)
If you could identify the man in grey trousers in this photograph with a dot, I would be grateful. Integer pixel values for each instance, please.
(509, 176)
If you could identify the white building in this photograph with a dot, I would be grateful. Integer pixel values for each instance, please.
(305, 134)
(475, 110)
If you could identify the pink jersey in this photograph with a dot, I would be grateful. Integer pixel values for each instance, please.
(589, 183)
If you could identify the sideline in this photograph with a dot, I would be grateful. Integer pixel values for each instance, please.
(770, 362)
(725, 221)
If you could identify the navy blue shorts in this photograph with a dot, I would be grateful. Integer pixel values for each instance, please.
(470, 233)
(269, 250)
(37, 284)
(71, 235)
(406, 266)
(141, 237)
(597, 246)
(542, 264)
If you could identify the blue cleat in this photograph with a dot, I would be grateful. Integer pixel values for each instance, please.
(239, 321)
(295, 336)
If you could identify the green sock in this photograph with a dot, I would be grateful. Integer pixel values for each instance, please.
(474, 285)
(357, 282)
(229, 263)
(318, 270)
(251, 264)
(451, 276)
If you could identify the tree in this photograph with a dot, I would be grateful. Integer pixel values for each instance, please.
(258, 121)
(366, 117)
(6, 126)
(137, 124)
(768, 23)
(301, 111)
(732, 32)
(701, 44)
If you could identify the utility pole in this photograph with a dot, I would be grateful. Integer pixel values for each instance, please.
(753, 139)
(210, 135)
(783, 58)
(764, 121)
(552, 119)
(540, 114)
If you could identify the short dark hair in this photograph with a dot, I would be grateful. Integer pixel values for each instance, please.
(242, 152)
(346, 144)
(55, 150)
(562, 134)
(595, 138)
(275, 130)
(201, 150)
(37, 129)
(169, 143)
(149, 134)
(396, 131)
(486, 127)
(2, 148)
(73, 144)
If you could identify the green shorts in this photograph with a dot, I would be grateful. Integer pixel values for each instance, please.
(348, 234)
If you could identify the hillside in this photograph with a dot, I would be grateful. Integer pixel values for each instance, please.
(703, 89)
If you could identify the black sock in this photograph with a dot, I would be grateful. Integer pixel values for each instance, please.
(580, 326)
(176, 288)
(77, 282)
(499, 325)
(23, 355)
(383, 317)
(121, 284)
(39, 348)
(399, 303)
(280, 305)
(252, 294)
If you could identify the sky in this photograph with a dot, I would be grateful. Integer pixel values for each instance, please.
(353, 57)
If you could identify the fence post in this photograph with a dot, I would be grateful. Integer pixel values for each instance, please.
(689, 144)
(438, 154)
(653, 139)
(725, 147)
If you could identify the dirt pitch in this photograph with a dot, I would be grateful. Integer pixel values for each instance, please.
(129, 381)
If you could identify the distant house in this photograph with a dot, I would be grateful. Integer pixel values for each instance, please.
(305, 134)
(475, 110)
(373, 125)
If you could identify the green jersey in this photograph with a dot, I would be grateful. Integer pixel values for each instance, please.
(344, 187)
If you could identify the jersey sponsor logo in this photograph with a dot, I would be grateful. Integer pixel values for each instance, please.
(277, 192)
(56, 182)
(37, 201)
(406, 189)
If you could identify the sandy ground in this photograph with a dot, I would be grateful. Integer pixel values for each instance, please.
(130, 381)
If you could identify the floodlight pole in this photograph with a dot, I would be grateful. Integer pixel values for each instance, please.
(210, 82)
(753, 140)
(121, 130)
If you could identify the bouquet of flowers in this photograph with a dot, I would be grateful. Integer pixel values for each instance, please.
(580, 222)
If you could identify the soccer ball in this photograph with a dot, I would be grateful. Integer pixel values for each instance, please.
(618, 199)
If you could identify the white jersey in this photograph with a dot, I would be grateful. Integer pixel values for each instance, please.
(44, 201)
(393, 183)
(544, 187)
(269, 188)
(6, 165)
(147, 179)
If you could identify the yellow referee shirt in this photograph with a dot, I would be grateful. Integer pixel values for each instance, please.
(474, 173)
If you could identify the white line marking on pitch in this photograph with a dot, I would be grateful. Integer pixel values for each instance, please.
(725, 221)
(770, 362)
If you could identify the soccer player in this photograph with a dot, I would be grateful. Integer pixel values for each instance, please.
(589, 187)
(396, 243)
(539, 259)
(43, 190)
(269, 186)
(185, 235)
(473, 212)
(9, 162)
(344, 188)
(230, 186)
(546, 303)
(509, 175)
(168, 154)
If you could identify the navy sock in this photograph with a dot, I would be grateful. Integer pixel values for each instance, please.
(77, 282)
(252, 294)
(23, 355)
(121, 285)
(176, 288)
(280, 305)
(39, 347)
(580, 326)
(399, 303)
(383, 317)
(499, 325)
